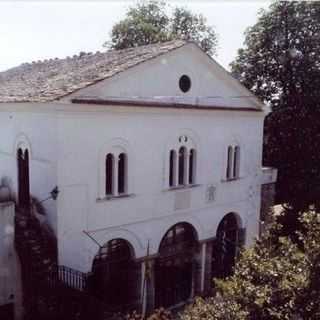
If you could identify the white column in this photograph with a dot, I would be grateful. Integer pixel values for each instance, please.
(203, 264)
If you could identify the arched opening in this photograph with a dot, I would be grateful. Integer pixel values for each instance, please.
(109, 174)
(114, 275)
(226, 246)
(23, 178)
(182, 164)
(172, 168)
(122, 173)
(192, 164)
(174, 268)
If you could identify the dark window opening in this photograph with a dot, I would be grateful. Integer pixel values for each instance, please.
(236, 162)
(185, 83)
(172, 168)
(192, 166)
(23, 178)
(182, 156)
(229, 163)
(122, 173)
(109, 174)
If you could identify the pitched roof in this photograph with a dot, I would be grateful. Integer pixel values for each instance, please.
(52, 79)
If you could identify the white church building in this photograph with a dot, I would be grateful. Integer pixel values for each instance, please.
(156, 153)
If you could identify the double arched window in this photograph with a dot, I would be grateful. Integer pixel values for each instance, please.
(233, 162)
(116, 182)
(182, 165)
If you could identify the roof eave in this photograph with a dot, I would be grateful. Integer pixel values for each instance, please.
(158, 104)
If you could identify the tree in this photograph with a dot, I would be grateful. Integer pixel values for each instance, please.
(148, 22)
(280, 59)
(280, 63)
(273, 280)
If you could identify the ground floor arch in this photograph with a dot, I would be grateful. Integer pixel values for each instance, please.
(228, 241)
(115, 275)
(174, 267)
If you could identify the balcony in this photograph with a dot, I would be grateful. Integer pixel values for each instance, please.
(269, 175)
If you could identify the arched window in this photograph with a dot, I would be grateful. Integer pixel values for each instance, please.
(116, 180)
(182, 162)
(172, 168)
(233, 162)
(23, 178)
(236, 162)
(122, 174)
(109, 174)
(192, 162)
(229, 163)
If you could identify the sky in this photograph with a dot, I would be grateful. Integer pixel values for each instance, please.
(37, 30)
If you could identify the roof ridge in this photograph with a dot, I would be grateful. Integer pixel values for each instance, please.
(83, 54)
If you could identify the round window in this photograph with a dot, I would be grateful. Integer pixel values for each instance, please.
(185, 83)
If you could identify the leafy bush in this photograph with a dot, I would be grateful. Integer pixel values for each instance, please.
(275, 279)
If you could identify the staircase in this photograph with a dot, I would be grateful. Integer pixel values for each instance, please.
(50, 291)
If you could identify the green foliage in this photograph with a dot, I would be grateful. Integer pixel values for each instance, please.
(292, 145)
(148, 22)
(216, 308)
(275, 279)
(281, 54)
(189, 26)
(280, 63)
(158, 314)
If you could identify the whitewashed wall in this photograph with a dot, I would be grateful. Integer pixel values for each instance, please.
(68, 143)
(150, 210)
(27, 125)
(160, 77)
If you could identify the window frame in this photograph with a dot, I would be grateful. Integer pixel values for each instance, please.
(115, 147)
(176, 161)
(233, 162)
